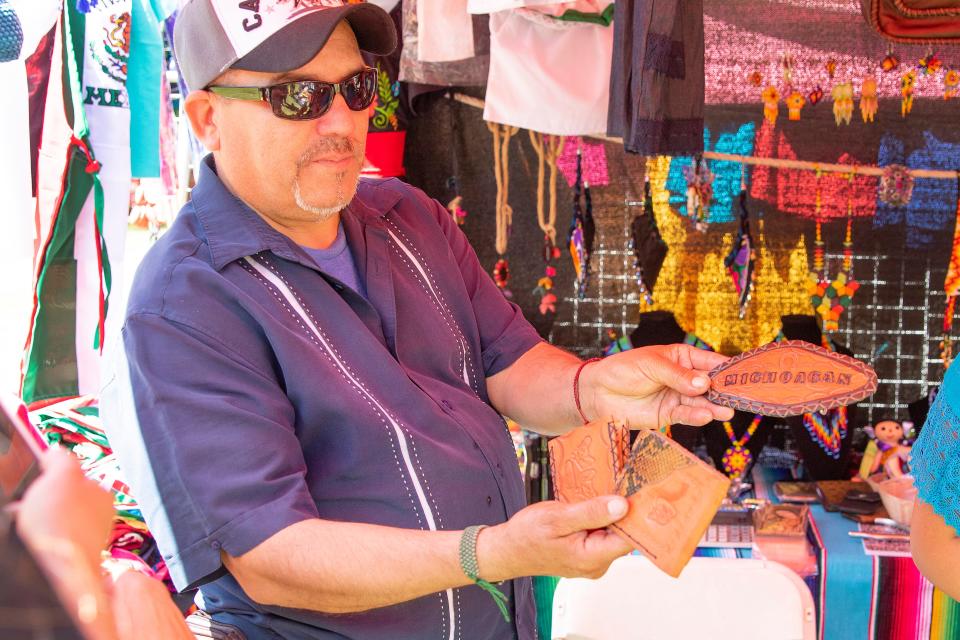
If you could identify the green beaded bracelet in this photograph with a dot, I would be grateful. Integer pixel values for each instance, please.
(470, 567)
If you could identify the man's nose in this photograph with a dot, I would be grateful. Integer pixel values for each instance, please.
(339, 120)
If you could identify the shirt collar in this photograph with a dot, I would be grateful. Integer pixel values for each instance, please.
(233, 230)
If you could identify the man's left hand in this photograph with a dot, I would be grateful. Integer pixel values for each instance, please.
(650, 387)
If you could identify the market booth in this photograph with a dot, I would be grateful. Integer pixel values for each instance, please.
(724, 173)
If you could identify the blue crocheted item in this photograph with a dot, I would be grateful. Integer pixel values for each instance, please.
(727, 175)
(933, 205)
(11, 33)
(935, 459)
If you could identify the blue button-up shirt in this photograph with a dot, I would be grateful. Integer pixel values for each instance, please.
(253, 391)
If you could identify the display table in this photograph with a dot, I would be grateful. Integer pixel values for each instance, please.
(869, 597)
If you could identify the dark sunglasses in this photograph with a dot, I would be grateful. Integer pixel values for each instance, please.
(308, 99)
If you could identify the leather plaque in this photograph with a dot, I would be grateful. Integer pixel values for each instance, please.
(585, 462)
(790, 378)
(673, 495)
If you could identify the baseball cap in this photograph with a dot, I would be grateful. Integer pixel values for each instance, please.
(212, 36)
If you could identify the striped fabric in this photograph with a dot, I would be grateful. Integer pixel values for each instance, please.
(905, 606)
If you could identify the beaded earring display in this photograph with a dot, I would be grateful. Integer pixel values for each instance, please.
(582, 230)
(869, 104)
(740, 261)
(830, 298)
(737, 459)
(548, 150)
(649, 250)
(699, 191)
(504, 213)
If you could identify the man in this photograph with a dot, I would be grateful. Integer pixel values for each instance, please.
(309, 392)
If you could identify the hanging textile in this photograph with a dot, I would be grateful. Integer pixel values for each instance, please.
(728, 176)
(536, 60)
(649, 249)
(22, 25)
(85, 175)
(795, 192)
(145, 72)
(657, 80)
(444, 31)
(387, 131)
(740, 261)
(929, 213)
(694, 284)
(470, 71)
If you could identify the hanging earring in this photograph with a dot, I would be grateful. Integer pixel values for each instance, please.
(504, 212)
(890, 62)
(842, 102)
(868, 99)
(795, 102)
(951, 82)
(771, 98)
(907, 82)
(548, 150)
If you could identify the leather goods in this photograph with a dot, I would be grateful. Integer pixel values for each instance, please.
(914, 21)
(790, 378)
(673, 495)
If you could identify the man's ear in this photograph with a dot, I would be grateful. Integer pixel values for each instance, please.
(200, 107)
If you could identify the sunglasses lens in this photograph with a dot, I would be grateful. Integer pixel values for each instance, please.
(360, 90)
(301, 100)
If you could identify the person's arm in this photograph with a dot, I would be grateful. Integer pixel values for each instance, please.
(936, 549)
(340, 567)
(647, 387)
(531, 381)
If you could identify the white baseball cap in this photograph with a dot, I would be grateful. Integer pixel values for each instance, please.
(212, 36)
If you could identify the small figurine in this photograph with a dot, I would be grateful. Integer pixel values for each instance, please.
(887, 452)
(868, 99)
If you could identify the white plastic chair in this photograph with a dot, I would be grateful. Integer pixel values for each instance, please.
(714, 598)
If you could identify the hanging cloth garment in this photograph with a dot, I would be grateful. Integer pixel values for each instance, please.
(537, 60)
(657, 81)
(22, 25)
(470, 71)
(145, 71)
(444, 31)
(83, 202)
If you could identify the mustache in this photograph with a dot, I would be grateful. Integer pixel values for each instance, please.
(329, 146)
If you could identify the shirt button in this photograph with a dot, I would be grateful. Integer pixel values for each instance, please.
(215, 544)
(476, 445)
(338, 286)
(489, 500)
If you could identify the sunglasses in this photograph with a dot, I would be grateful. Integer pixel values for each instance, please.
(308, 99)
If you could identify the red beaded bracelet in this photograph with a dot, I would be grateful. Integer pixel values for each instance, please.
(576, 387)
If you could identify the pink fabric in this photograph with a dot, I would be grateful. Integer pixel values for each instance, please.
(593, 162)
(536, 64)
(444, 31)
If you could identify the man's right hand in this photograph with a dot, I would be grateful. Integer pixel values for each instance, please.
(555, 539)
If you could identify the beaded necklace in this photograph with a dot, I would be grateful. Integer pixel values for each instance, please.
(828, 430)
(737, 458)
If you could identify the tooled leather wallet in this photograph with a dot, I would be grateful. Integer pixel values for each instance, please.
(672, 494)
(790, 378)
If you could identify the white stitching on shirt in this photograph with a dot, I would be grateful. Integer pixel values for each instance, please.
(440, 296)
(335, 357)
(313, 339)
(444, 309)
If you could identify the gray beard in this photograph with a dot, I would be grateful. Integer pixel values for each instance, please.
(321, 213)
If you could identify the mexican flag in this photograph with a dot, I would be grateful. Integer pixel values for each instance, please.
(83, 201)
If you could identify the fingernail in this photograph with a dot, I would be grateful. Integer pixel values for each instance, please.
(701, 382)
(617, 508)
